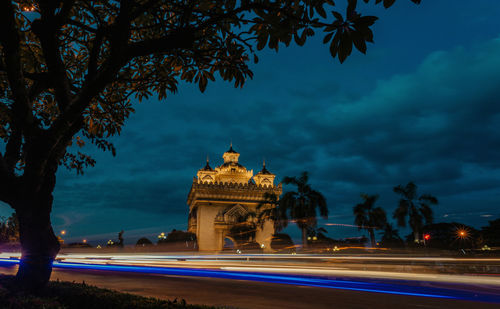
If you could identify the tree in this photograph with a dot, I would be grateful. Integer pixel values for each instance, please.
(69, 70)
(9, 229)
(417, 208)
(120, 239)
(369, 217)
(142, 242)
(491, 233)
(448, 235)
(390, 237)
(180, 236)
(269, 210)
(301, 205)
(282, 243)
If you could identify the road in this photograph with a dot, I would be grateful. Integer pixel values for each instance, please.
(272, 284)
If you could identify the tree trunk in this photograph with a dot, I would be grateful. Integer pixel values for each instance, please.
(304, 237)
(372, 237)
(38, 241)
(416, 236)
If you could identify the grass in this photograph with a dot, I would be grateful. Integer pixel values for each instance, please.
(59, 295)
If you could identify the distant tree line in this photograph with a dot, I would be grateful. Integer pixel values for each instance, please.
(303, 205)
(175, 236)
(9, 229)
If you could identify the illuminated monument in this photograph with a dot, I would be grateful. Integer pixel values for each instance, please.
(221, 198)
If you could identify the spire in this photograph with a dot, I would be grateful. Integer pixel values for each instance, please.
(231, 150)
(207, 166)
(264, 169)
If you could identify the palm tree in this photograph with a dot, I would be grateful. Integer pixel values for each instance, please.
(369, 217)
(300, 206)
(390, 237)
(269, 210)
(417, 208)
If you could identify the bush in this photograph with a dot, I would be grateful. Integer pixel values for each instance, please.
(179, 237)
(59, 295)
(283, 243)
(142, 242)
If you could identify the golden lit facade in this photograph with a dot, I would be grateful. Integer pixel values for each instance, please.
(224, 196)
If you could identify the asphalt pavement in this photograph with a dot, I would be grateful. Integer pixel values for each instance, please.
(253, 294)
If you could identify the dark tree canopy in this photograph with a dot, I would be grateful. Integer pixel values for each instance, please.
(369, 217)
(69, 69)
(303, 205)
(416, 207)
(491, 233)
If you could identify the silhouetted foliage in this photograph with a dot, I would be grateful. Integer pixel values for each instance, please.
(369, 217)
(69, 70)
(282, 243)
(491, 233)
(243, 231)
(79, 245)
(64, 295)
(180, 236)
(9, 229)
(390, 237)
(447, 236)
(416, 208)
(143, 242)
(302, 205)
(269, 210)
(250, 246)
(120, 239)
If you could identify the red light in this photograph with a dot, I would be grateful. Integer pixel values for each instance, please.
(427, 236)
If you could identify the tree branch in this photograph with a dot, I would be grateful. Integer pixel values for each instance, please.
(21, 108)
(183, 38)
(46, 29)
(70, 120)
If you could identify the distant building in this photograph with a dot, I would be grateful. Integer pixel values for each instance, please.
(223, 197)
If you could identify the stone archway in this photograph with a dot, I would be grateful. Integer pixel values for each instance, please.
(229, 243)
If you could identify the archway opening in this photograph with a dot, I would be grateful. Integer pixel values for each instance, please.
(229, 244)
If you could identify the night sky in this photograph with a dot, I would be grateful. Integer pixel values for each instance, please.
(421, 106)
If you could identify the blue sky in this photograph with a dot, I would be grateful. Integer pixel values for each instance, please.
(421, 106)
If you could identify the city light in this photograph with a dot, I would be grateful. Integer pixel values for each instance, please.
(427, 236)
(462, 233)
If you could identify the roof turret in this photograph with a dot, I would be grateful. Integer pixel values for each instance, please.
(264, 170)
(207, 167)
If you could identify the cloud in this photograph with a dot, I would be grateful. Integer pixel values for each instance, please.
(438, 126)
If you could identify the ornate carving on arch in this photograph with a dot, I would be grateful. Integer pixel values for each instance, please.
(207, 178)
(234, 213)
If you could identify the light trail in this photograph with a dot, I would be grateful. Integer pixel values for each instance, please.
(219, 257)
(240, 268)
